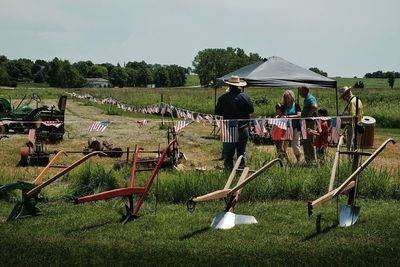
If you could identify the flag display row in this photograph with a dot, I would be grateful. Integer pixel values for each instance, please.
(275, 126)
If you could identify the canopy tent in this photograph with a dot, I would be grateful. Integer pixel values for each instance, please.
(277, 72)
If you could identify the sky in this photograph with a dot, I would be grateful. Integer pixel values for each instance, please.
(343, 37)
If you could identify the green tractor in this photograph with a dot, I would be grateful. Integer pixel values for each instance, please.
(48, 121)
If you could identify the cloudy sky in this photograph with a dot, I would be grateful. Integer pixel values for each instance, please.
(342, 37)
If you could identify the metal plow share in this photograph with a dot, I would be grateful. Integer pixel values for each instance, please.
(26, 207)
(348, 213)
(227, 219)
(132, 211)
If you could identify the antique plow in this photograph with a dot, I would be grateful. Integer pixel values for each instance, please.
(26, 207)
(349, 213)
(132, 210)
(227, 219)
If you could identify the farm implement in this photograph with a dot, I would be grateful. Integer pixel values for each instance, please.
(348, 213)
(132, 209)
(49, 121)
(26, 207)
(227, 219)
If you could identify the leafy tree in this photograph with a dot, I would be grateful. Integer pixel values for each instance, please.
(177, 75)
(109, 67)
(3, 59)
(5, 78)
(320, 72)
(63, 74)
(144, 72)
(391, 79)
(83, 67)
(211, 63)
(98, 71)
(118, 76)
(19, 69)
(161, 76)
(132, 77)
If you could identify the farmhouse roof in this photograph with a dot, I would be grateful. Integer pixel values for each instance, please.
(278, 72)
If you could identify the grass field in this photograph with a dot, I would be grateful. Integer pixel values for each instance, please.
(90, 234)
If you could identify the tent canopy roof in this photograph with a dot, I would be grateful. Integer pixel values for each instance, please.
(277, 72)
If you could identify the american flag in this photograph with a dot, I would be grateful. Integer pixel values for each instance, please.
(303, 129)
(229, 134)
(260, 128)
(189, 115)
(280, 123)
(99, 126)
(209, 118)
(162, 111)
(179, 125)
(335, 129)
(289, 131)
(200, 119)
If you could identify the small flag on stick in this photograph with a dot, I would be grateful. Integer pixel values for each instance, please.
(179, 125)
(99, 126)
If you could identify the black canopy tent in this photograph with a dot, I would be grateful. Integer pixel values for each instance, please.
(277, 72)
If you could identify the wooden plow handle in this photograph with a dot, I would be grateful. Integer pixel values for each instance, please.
(61, 173)
(362, 167)
(39, 178)
(350, 181)
(255, 175)
(335, 164)
(235, 191)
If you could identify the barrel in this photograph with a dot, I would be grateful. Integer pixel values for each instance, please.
(367, 138)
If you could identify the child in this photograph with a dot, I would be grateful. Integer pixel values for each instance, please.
(277, 133)
(321, 140)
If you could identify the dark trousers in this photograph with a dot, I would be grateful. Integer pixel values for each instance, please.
(240, 148)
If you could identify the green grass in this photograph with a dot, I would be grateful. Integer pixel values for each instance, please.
(33, 85)
(192, 80)
(90, 234)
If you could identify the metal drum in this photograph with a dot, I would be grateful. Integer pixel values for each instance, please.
(367, 138)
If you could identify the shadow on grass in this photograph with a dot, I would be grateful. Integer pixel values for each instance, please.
(87, 228)
(197, 232)
(319, 230)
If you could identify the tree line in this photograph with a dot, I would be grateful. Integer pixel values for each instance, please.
(61, 73)
(208, 64)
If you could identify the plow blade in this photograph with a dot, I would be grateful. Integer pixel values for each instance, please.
(348, 215)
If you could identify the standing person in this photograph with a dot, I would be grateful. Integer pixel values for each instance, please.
(277, 133)
(309, 108)
(351, 109)
(293, 110)
(236, 107)
(321, 135)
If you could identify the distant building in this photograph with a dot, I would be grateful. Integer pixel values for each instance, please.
(98, 82)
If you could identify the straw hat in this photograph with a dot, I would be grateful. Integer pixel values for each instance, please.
(235, 81)
(344, 90)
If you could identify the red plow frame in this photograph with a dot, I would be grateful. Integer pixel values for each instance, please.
(131, 208)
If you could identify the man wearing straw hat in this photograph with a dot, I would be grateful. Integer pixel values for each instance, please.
(354, 107)
(236, 107)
